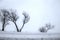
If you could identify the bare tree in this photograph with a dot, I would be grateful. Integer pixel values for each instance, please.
(13, 17)
(8, 15)
(4, 17)
(26, 19)
(46, 28)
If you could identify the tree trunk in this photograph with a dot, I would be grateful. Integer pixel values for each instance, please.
(22, 27)
(16, 26)
(3, 25)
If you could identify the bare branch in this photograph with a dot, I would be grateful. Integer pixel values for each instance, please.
(13, 16)
(26, 19)
(49, 26)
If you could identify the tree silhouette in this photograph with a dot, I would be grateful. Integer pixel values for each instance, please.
(26, 19)
(13, 17)
(46, 28)
(4, 14)
(8, 15)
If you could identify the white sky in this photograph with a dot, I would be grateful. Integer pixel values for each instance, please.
(40, 11)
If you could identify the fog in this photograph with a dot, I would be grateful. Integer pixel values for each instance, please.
(41, 12)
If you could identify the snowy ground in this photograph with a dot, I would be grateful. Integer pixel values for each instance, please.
(27, 36)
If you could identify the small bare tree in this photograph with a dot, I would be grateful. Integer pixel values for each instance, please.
(46, 28)
(26, 19)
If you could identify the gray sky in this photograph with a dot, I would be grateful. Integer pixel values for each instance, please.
(40, 11)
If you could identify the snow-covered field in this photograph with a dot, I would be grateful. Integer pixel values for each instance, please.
(27, 36)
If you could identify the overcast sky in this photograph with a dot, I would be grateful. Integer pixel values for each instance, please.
(41, 12)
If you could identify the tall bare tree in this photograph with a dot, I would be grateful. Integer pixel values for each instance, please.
(4, 17)
(13, 17)
(26, 19)
(8, 15)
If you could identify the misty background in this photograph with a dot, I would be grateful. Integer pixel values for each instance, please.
(41, 12)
